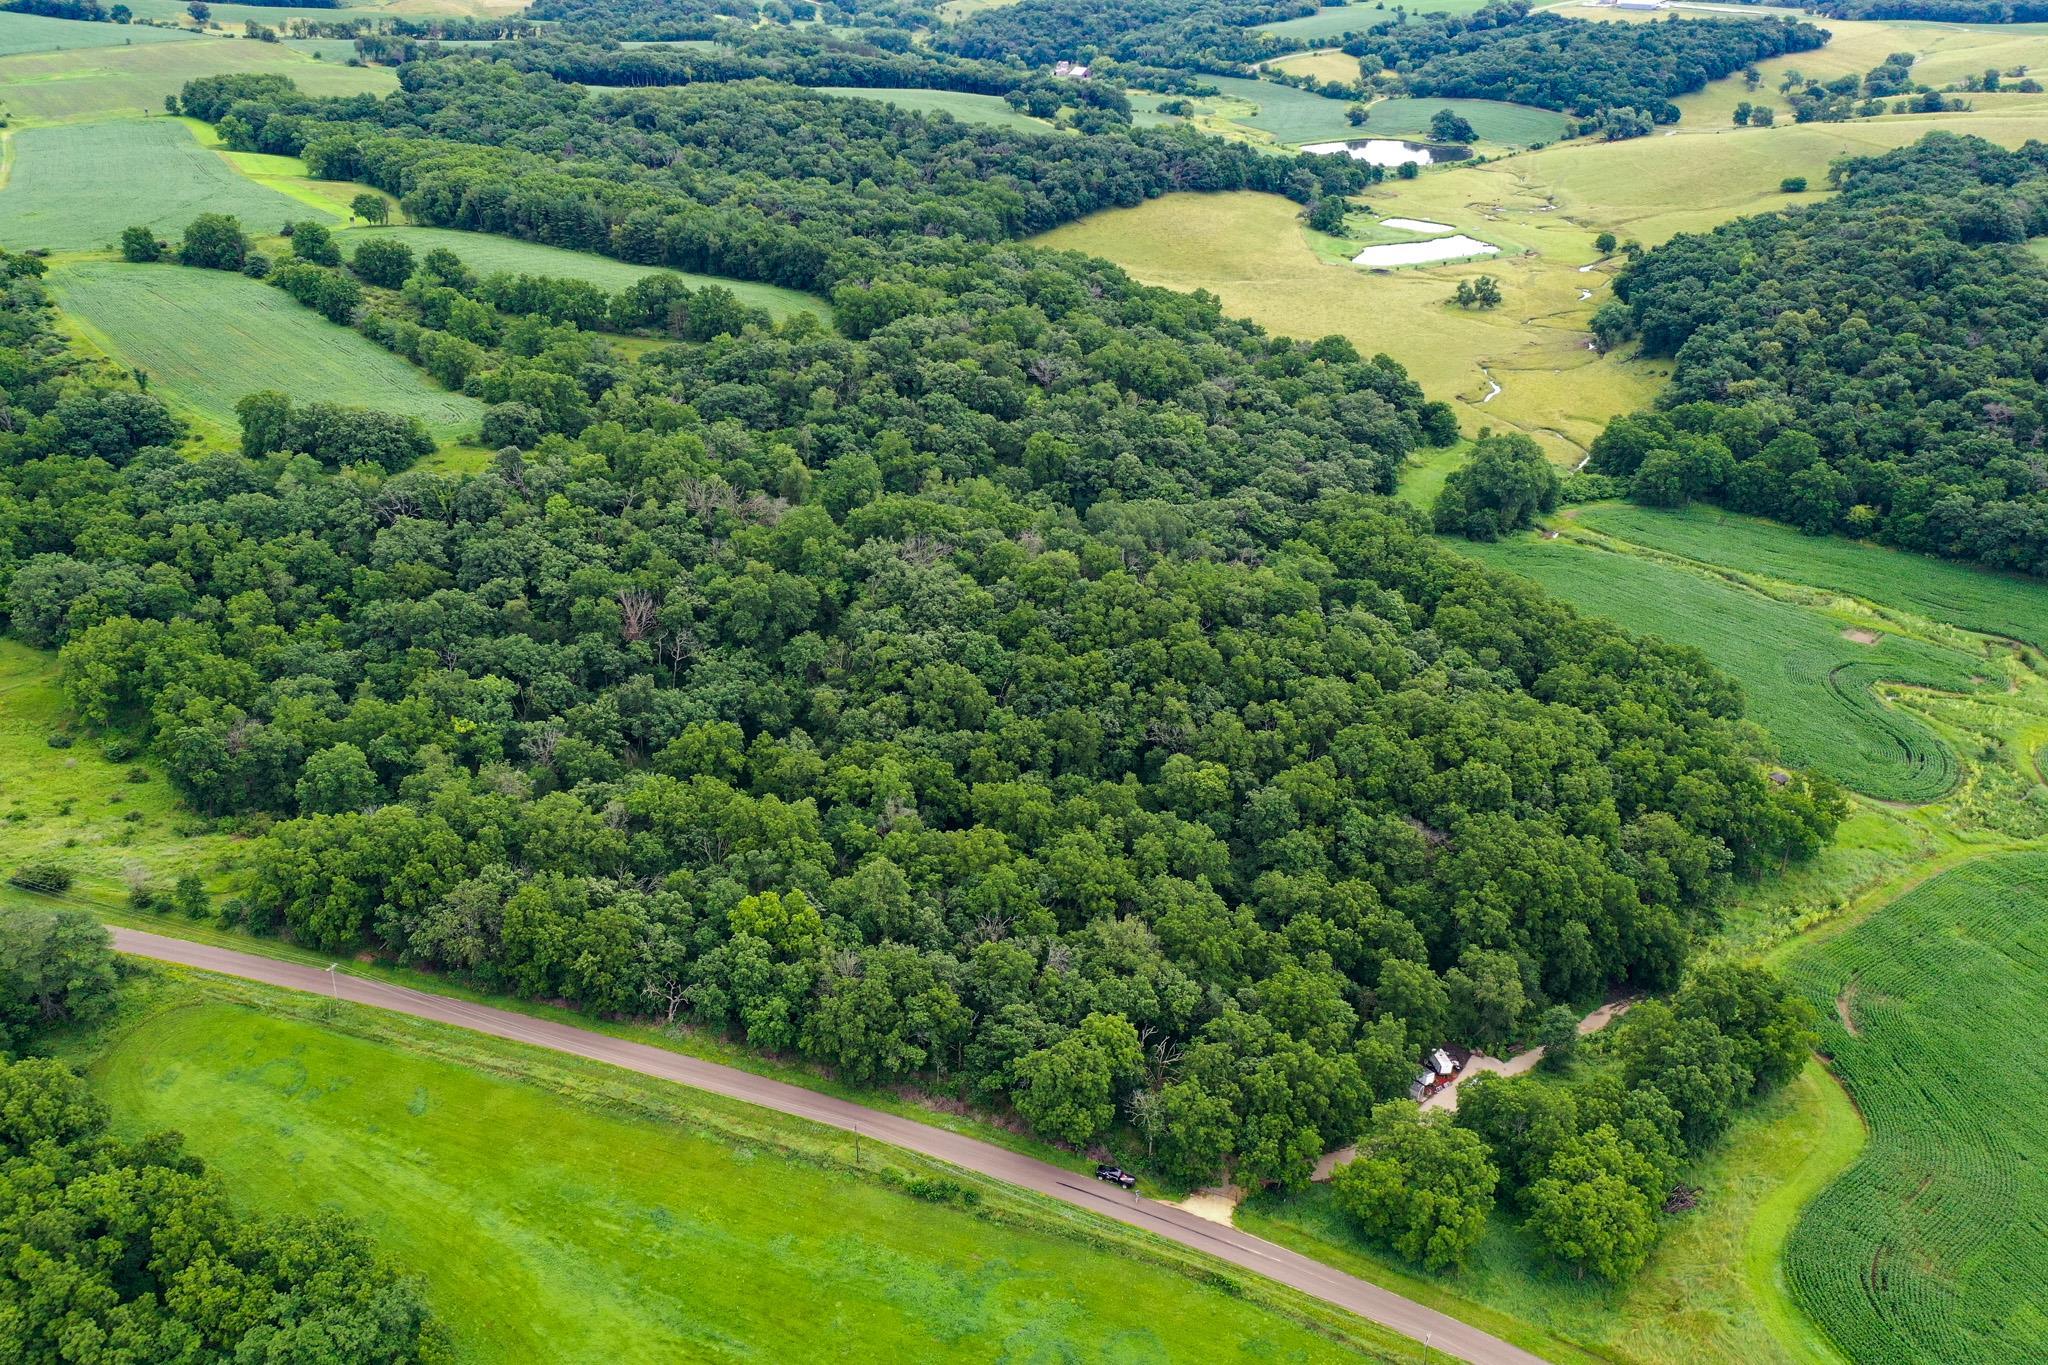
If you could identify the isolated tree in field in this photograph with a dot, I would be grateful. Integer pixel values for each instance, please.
(1507, 482)
(382, 261)
(200, 11)
(1742, 113)
(214, 241)
(1449, 126)
(1793, 184)
(314, 244)
(1356, 115)
(371, 208)
(1419, 1184)
(141, 244)
(120, 14)
(1763, 116)
(1604, 244)
(55, 968)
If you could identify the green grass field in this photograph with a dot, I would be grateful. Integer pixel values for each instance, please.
(75, 186)
(985, 109)
(207, 338)
(1934, 1245)
(21, 33)
(94, 83)
(584, 1214)
(1510, 125)
(1708, 1292)
(1941, 590)
(1803, 679)
(486, 252)
(1356, 18)
(75, 806)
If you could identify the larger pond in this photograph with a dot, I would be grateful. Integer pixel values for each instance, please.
(1456, 248)
(1386, 151)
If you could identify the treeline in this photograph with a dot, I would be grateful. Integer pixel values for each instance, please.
(1941, 11)
(794, 58)
(1591, 70)
(1873, 364)
(1018, 691)
(1203, 35)
(119, 1250)
(760, 183)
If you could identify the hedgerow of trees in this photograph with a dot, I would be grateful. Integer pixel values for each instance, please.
(1871, 364)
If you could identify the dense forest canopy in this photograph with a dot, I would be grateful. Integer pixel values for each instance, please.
(1872, 364)
(1021, 682)
(1504, 52)
(1207, 35)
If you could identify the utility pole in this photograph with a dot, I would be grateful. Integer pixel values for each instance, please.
(334, 982)
(1426, 1338)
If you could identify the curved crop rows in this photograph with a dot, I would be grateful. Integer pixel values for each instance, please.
(1933, 1247)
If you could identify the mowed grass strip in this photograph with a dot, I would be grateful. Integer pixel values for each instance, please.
(487, 253)
(1934, 1245)
(546, 1228)
(207, 338)
(1802, 678)
(73, 187)
(991, 110)
(1953, 594)
(21, 33)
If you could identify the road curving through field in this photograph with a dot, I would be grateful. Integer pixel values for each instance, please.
(1442, 1332)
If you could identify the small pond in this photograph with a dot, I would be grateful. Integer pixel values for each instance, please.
(1386, 151)
(1458, 248)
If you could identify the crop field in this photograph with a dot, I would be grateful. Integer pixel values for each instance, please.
(984, 109)
(1803, 679)
(21, 33)
(1934, 1245)
(53, 87)
(579, 1213)
(75, 186)
(1253, 252)
(1510, 125)
(1941, 590)
(486, 253)
(1329, 64)
(207, 338)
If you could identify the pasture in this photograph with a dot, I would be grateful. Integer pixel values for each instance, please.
(1327, 64)
(989, 110)
(1931, 1247)
(21, 33)
(1510, 125)
(1941, 590)
(73, 187)
(1253, 252)
(207, 338)
(579, 1213)
(1804, 680)
(54, 87)
(486, 253)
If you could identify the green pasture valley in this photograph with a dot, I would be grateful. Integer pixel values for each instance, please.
(968, 108)
(21, 33)
(207, 339)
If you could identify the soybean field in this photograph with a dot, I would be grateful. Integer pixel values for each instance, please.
(1933, 1246)
(206, 338)
(1804, 678)
(73, 187)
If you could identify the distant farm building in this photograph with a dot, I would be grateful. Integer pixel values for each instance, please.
(1070, 71)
